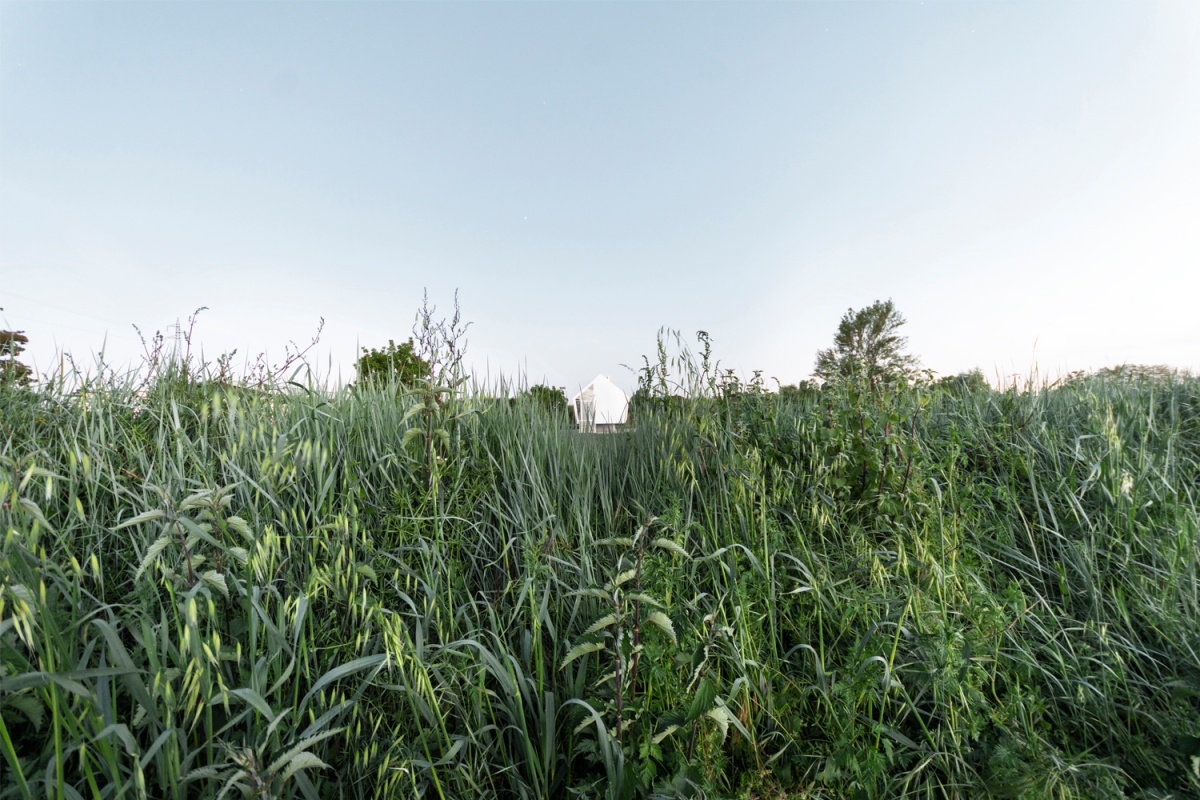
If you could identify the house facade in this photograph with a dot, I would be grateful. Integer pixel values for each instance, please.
(601, 406)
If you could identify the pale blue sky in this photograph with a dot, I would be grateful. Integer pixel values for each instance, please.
(1023, 179)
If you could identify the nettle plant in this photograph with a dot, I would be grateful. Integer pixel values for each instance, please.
(645, 671)
(618, 634)
(701, 702)
(200, 519)
(441, 347)
(870, 439)
(619, 637)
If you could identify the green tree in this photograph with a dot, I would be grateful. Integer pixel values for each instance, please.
(550, 398)
(395, 362)
(12, 371)
(868, 345)
(804, 390)
(965, 382)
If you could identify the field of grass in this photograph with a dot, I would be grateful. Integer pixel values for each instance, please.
(297, 592)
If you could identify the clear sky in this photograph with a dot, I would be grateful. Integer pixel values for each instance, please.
(1023, 179)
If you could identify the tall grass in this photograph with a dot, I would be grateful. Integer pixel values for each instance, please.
(208, 590)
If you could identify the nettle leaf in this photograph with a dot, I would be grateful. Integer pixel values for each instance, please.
(666, 732)
(145, 516)
(33, 509)
(644, 598)
(730, 718)
(581, 650)
(198, 500)
(616, 541)
(410, 435)
(210, 771)
(30, 706)
(591, 593)
(668, 545)
(302, 761)
(240, 526)
(611, 675)
(703, 700)
(158, 490)
(663, 622)
(603, 622)
(721, 716)
(214, 578)
(624, 577)
(224, 495)
(298, 757)
(153, 553)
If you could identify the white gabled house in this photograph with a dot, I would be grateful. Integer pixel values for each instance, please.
(601, 407)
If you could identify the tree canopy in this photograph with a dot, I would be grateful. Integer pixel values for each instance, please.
(12, 343)
(552, 399)
(399, 363)
(868, 345)
(968, 382)
(800, 391)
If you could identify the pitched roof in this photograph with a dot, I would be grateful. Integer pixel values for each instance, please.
(601, 402)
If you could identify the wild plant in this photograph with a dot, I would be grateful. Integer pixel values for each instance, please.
(442, 345)
(870, 440)
(622, 709)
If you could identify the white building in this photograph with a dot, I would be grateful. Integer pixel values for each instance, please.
(601, 407)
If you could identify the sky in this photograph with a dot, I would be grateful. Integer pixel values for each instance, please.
(1022, 179)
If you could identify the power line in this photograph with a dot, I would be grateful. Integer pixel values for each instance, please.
(61, 308)
(64, 325)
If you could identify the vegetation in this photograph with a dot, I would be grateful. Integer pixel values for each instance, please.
(871, 590)
(12, 344)
(972, 381)
(868, 343)
(399, 363)
(551, 399)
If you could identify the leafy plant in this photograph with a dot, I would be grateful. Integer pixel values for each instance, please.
(442, 347)
(618, 637)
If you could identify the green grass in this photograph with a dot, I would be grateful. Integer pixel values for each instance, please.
(207, 590)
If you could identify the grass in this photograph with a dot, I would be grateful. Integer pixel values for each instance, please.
(208, 590)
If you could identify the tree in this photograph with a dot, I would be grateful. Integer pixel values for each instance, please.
(868, 345)
(803, 390)
(12, 371)
(965, 382)
(552, 399)
(399, 363)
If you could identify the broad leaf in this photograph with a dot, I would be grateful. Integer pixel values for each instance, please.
(145, 516)
(603, 622)
(663, 622)
(153, 553)
(581, 650)
(667, 544)
(624, 577)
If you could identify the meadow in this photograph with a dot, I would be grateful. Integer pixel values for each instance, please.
(930, 591)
